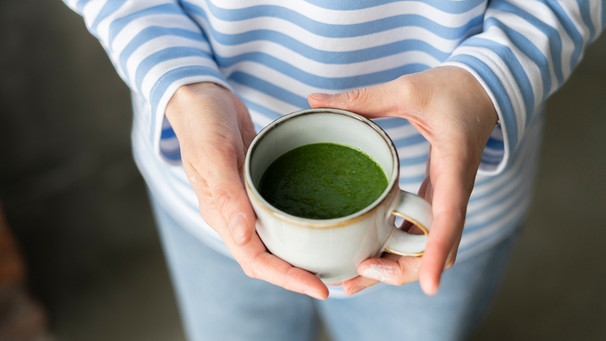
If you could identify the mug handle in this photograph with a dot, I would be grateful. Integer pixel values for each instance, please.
(417, 211)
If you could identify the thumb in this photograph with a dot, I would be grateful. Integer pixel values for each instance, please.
(371, 101)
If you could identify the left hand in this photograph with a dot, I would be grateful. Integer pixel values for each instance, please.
(453, 112)
(214, 129)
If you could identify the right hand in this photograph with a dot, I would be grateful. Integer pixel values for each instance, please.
(214, 130)
(451, 109)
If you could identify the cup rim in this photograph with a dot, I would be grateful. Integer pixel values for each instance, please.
(310, 222)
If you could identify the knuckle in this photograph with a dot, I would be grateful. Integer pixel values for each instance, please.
(253, 266)
(222, 198)
(356, 96)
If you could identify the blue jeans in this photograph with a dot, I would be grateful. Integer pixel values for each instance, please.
(218, 302)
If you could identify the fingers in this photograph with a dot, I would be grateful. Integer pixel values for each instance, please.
(221, 196)
(449, 196)
(214, 130)
(371, 101)
(439, 255)
(390, 269)
(402, 271)
(448, 183)
(356, 285)
(398, 270)
(456, 118)
(257, 263)
(233, 219)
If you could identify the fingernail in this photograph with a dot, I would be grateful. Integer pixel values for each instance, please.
(355, 290)
(238, 229)
(320, 97)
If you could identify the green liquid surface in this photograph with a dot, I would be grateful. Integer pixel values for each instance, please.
(322, 181)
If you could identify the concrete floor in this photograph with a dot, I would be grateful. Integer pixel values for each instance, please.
(78, 205)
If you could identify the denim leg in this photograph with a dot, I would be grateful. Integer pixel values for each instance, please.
(217, 301)
(405, 313)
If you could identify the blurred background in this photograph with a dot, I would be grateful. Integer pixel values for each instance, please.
(77, 207)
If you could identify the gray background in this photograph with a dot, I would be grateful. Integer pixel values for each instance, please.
(78, 205)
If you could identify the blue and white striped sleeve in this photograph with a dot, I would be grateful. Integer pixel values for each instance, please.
(526, 51)
(154, 46)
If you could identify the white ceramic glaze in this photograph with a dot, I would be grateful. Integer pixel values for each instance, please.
(333, 248)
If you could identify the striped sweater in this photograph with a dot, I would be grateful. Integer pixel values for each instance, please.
(273, 53)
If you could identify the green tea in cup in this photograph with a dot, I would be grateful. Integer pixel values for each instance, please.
(322, 181)
(324, 186)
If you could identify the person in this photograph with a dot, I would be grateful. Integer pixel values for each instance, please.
(458, 85)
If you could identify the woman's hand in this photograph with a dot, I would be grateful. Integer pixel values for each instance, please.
(214, 130)
(453, 112)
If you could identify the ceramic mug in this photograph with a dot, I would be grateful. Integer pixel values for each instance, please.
(333, 248)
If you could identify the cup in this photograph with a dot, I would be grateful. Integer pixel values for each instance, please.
(333, 248)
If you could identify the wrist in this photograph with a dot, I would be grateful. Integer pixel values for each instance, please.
(471, 84)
